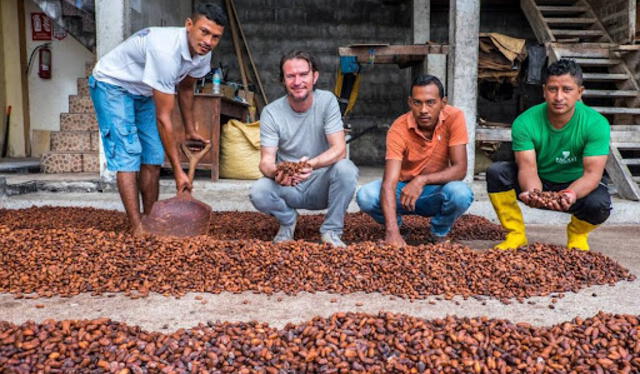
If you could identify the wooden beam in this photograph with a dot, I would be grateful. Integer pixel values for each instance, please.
(25, 79)
(392, 54)
(621, 177)
(535, 18)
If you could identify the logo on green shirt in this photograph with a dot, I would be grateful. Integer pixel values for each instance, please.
(566, 159)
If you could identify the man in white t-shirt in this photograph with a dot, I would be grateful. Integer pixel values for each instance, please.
(133, 90)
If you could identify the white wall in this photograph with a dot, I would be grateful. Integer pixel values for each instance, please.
(50, 97)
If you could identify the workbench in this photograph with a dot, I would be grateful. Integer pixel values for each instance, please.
(209, 112)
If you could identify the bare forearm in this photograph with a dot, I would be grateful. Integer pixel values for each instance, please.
(185, 99)
(529, 179)
(268, 169)
(328, 157)
(165, 128)
(584, 185)
(452, 173)
(388, 203)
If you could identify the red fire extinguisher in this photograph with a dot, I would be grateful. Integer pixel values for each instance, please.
(44, 62)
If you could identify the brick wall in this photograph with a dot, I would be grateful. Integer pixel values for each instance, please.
(618, 17)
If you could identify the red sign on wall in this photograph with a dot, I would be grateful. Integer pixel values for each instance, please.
(41, 27)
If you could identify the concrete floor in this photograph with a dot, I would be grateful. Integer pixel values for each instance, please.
(617, 239)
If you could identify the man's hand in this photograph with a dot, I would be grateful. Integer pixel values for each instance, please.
(282, 179)
(410, 194)
(182, 181)
(568, 199)
(394, 238)
(525, 197)
(196, 136)
(304, 174)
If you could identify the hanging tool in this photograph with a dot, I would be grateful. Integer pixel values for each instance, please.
(236, 46)
(181, 215)
(265, 100)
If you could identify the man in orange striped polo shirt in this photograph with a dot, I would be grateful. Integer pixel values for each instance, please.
(426, 161)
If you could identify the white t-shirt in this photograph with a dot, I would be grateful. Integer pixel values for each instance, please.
(153, 58)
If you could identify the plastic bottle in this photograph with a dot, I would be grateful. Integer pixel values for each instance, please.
(216, 82)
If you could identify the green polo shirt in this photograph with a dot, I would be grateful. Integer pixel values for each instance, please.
(559, 153)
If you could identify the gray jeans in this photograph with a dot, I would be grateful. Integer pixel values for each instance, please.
(329, 188)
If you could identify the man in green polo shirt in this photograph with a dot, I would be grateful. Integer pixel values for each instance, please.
(559, 145)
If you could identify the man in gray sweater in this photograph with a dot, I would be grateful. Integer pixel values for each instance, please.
(304, 125)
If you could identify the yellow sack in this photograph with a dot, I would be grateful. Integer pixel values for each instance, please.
(240, 150)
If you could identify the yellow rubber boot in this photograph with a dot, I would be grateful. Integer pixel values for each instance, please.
(578, 233)
(510, 215)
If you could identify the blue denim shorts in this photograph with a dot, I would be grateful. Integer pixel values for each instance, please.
(128, 127)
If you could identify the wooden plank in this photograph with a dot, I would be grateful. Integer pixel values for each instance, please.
(394, 50)
(561, 10)
(621, 177)
(631, 161)
(598, 61)
(535, 18)
(624, 139)
(597, 77)
(569, 21)
(579, 33)
(402, 55)
(627, 145)
(493, 134)
(616, 110)
(610, 93)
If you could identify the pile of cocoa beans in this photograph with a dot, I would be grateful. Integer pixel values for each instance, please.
(249, 225)
(69, 261)
(545, 199)
(342, 343)
(289, 169)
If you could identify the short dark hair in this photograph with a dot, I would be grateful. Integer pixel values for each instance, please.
(425, 80)
(211, 11)
(562, 67)
(297, 54)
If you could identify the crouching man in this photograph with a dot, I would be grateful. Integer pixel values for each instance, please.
(426, 161)
(559, 145)
(304, 125)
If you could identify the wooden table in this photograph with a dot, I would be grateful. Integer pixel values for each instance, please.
(209, 112)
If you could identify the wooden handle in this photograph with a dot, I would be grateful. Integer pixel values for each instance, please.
(194, 157)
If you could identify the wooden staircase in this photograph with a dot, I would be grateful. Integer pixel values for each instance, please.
(570, 29)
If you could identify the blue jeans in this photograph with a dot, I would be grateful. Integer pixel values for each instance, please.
(445, 203)
(128, 127)
(328, 188)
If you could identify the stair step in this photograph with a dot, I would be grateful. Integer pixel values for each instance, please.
(561, 10)
(80, 104)
(70, 162)
(636, 179)
(628, 146)
(610, 93)
(616, 110)
(604, 77)
(570, 21)
(556, 2)
(78, 122)
(597, 61)
(76, 141)
(577, 33)
(631, 161)
(83, 87)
